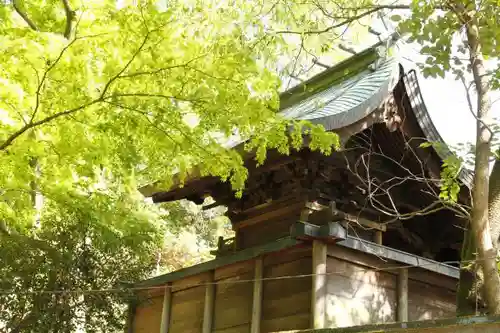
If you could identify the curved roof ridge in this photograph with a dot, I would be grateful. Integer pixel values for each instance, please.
(344, 103)
(425, 122)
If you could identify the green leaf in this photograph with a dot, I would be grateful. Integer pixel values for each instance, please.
(396, 18)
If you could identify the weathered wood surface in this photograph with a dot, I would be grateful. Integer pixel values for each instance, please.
(402, 294)
(360, 289)
(286, 302)
(208, 305)
(191, 281)
(430, 295)
(257, 296)
(233, 298)
(427, 301)
(148, 315)
(438, 280)
(273, 228)
(319, 284)
(240, 256)
(167, 306)
(187, 310)
(274, 210)
(358, 295)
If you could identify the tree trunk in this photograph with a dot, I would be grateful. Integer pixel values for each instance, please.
(494, 204)
(466, 297)
(479, 213)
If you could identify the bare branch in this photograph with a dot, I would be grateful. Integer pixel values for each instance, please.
(163, 69)
(70, 16)
(379, 187)
(22, 13)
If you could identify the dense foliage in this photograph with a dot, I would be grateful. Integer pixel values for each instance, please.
(100, 97)
(79, 245)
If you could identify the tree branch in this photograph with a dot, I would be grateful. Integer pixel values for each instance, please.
(25, 17)
(31, 125)
(101, 98)
(70, 15)
(127, 65)
(44, 78)
(471, 108)
(349, 20)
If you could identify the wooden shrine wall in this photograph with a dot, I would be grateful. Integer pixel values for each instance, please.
(147, 316)
(363, 289)
(286, 301)
(430, 295)
(233, 298)
(268, 223)
(264, 294)
(262, 233)
(357, 294)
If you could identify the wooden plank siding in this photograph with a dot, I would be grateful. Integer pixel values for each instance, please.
(233, 298)
(286, 303)
(258, 234)
(358, 295)
(187, 310)
(148, 315)
(426, 301)
(360, 289)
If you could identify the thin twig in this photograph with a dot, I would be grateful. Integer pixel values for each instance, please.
(373, 9)
(469, 103)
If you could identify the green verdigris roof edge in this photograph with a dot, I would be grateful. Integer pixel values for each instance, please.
(337, 73)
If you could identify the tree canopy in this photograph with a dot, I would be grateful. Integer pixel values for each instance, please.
(127, 89)
(100, 97)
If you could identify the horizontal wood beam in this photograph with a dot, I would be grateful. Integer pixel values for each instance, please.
(258, 217)
(243, 255)
(360, 220)
(315, 206)
(402, 257)
(449, 325)
(290, 242)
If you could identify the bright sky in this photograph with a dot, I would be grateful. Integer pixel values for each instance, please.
(447, 104)
(445, 99)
